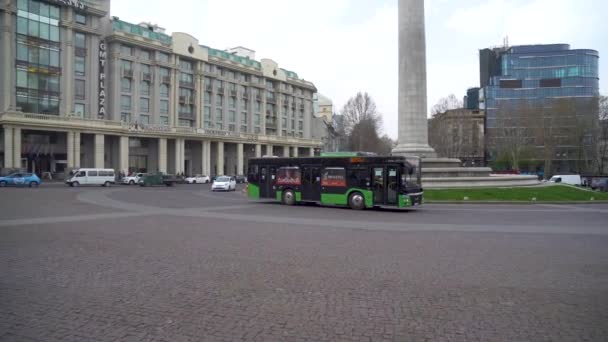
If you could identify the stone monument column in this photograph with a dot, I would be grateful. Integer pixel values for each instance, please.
(413, 132)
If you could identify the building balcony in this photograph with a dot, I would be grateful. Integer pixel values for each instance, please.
(166, 79)
(233, 93)
(146, 77)
(186, 84)
(127, 73)
(209, 88)
(187, 116)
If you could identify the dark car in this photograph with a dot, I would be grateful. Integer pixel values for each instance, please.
(600, 184)
(241, 179)
(156, 179)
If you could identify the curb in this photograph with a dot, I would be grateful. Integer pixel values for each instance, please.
(515, 202)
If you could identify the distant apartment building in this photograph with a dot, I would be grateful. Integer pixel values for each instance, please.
(458, 133)
(519, 82)
(79, 88)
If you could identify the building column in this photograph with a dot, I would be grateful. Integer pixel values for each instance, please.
(295, 152)
(17, 147)
(206, 160)
(311, 151)
(99, 151)
(239, 159)
(69, 146)
(220, 158)
(269, 150)
(76, 149)
(8, 78)
(123, 159)
(286, 151)
(8, 147)
(162, 155)
(179, 154)
(258, 151)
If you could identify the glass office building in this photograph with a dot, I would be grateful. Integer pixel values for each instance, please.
(534, 75)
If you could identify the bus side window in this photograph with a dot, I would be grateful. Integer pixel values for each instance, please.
(252, 175)
(263, 174)
(316, 176)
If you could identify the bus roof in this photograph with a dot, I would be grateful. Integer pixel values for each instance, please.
(329, 161)
(348, 154)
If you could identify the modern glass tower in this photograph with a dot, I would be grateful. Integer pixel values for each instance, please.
(534, 75)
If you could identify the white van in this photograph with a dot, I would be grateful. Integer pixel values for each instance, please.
(566, 179)
(103, 177)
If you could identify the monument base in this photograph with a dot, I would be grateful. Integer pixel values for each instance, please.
(414, 150)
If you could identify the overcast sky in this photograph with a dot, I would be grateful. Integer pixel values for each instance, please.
(345, 46)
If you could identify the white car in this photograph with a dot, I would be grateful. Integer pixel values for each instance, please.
(198, 179)
(133, 179)
(224, 183)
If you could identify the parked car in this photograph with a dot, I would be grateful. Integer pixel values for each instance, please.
(103, 177)
(156, 179)
(198, 179)
(224, 183)
(20, 179)
(241, 179)
(566, 179)
(133, 179)
(600, 184)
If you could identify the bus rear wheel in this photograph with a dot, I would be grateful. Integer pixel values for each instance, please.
(289, 198)
(356, 201)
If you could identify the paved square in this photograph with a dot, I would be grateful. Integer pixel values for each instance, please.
(185, 264)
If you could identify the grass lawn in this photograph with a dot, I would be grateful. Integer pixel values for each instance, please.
(551, 193)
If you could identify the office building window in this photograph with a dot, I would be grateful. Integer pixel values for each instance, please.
(164, 107)
(185, 65)
(207, 98)
(300, 125)
(244, 118)
(164, 90)
(144, 88)
(80, 18)
(144, 54)
(125, 102)
(219, 100)
(39, 20)
(79, 110)
(145, 69)
(144, 119)
(125, 117)
(126, 50)
(232, 116)
(126, 65)
(232, 102)
(125, 85)
(79, 89)
(256, 119)
(164, 120)
(207, 114)
(232, 127)
(219, 115)
(258, 106)
(144, 105)
(163, 57)
(80, 40)
(79, 65)
(185, 123)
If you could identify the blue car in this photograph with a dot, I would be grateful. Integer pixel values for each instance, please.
(20, 179)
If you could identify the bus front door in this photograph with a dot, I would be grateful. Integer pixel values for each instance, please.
(311, 183)
(385, 185)
(378, 178)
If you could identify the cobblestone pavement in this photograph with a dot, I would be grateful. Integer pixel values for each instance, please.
(184, 264)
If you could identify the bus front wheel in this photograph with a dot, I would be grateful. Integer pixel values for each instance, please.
(356, 201)
(289, 198)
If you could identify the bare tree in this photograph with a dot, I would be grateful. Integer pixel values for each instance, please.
(446, 103)
(362, 123)
(600, 138)
(360, 108)
(512, 136)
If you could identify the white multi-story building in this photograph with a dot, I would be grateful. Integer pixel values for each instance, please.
(79, 88)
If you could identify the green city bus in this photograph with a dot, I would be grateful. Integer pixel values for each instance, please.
(357, 180)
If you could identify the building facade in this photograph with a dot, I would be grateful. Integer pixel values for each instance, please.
(82, 89)
(541, 79)
(459, 133)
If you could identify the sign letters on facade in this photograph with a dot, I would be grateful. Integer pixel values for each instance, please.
(70, 3)
(102, 80)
